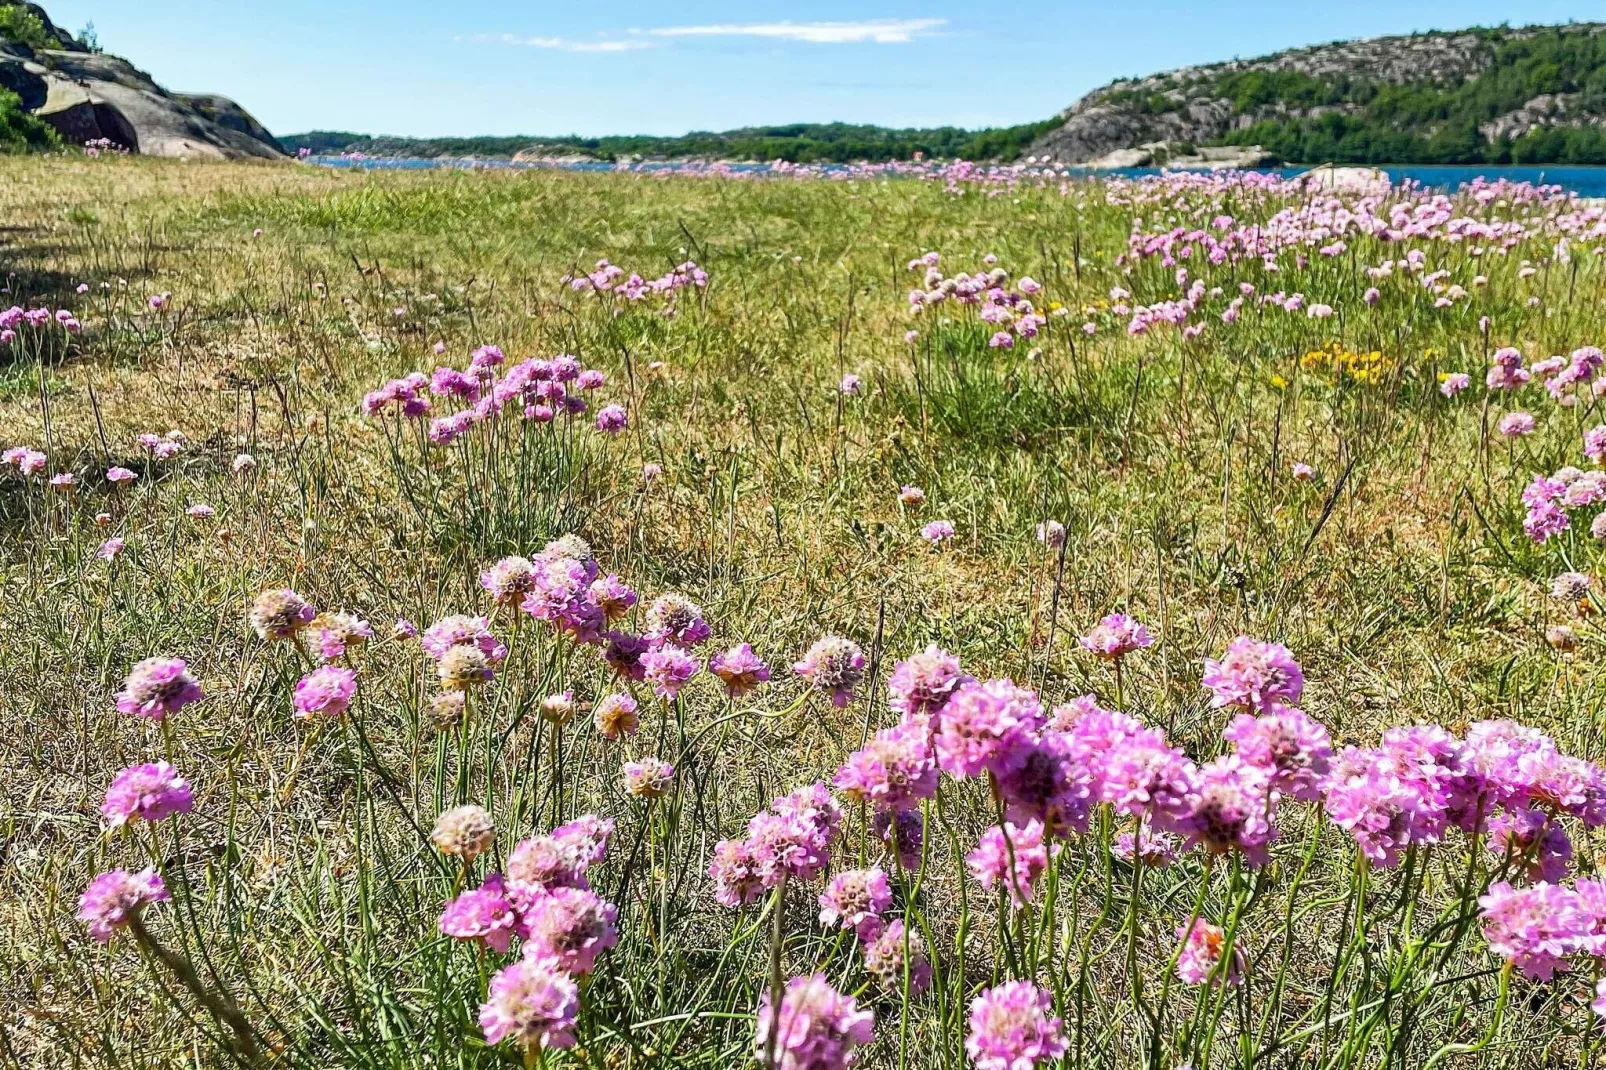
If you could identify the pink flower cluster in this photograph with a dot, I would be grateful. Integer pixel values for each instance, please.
(792, 840)
(26, 460)
(546, 901)
(1422, 781)
(16, 317)
(538, 389)
(608, 278)
(817, 1027)
(1538, 929)
(1550, 500)
(1203, 946)
(1010, 314)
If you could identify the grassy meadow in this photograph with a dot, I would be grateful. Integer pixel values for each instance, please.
(305, 892)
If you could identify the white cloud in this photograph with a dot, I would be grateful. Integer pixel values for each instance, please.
(877, 31)
(861, 31)
(563, 44)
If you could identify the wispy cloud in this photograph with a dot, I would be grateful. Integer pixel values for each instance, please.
(859, 31)
(874, 31)
(564, 44)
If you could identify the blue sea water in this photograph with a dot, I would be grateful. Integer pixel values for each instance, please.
(1585, 181)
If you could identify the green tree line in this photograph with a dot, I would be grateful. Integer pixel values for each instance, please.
(795, 142)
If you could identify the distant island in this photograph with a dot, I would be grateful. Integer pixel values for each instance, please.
(794, 142)
(1532, 95)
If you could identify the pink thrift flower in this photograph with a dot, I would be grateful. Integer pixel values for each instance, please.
(1137, 772)
(793, 838)
(736, 878)
(739, 669)
(1116, 636)
(109, 549)
(280, 614)
(989, 863)
(146, 793)
(337, 632)
(1534, 836)
(938, 531)
(119, 476)
(903, 834)
(1232, 810)
(1012, 1027)
(113, 899)
(623, 653)
(484, 914)
(677, 620)
(817, 1028)
(1156, 850)
(1253, 675)
(833, 665)
(854, 899)
(157, 687)
(509, 580)
(1047, 781)
(894, 770)
(983, 725)
(1537, 929)
(922, 684)
(570, 926)
(324, 692)
(1517, 424)
(465, 831)
(463, 631)
(667, 669)
(612, 596)
(650, 778)
(885, 958)
(1384, 812)
(1202, 948)
(1293, 749)
(615, 716)
(532, 1003)
(561, 858)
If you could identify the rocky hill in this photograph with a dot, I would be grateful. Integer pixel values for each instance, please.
(1531, 95)
(88, 96)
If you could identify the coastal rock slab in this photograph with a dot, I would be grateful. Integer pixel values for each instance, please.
(147, 119)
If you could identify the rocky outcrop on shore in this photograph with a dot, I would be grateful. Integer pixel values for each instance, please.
(92, 97)
(1172, 112)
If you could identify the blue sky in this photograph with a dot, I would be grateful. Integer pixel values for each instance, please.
(427, 68)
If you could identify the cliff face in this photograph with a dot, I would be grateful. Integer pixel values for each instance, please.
(1465, 96)
(89, 96)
